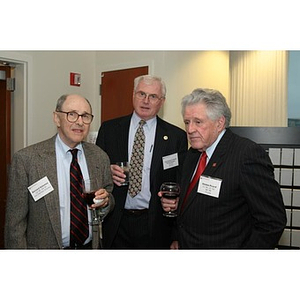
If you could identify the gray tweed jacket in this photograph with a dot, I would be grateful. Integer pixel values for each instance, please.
(36, 224)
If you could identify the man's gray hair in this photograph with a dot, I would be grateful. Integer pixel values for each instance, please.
(214, 101)
(149, 79)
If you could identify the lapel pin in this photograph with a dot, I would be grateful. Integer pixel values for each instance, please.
(214, 164)
(166, 137)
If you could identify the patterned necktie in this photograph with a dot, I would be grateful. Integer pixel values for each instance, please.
(79, 229)
(137, 161)
(200, 169)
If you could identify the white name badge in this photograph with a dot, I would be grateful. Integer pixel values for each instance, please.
(170, 161)
(40, 188)
(209, 186)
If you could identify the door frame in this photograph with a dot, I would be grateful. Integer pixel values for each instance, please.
(22, 95)
(128, 65)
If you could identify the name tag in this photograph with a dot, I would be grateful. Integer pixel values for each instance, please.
(170, 161)
(209, 186)
(40, 188)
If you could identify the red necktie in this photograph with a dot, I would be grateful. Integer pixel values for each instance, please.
(200, 169)
(79, 229)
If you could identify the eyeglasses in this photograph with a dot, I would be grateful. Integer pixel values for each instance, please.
(152, 97)
(73, 116)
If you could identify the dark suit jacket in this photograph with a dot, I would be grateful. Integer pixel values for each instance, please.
(36, 224)
(249, 212)
(113, 139)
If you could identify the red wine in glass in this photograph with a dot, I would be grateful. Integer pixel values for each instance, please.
(170, 195)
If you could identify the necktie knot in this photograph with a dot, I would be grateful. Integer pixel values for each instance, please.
(203, 157)
(142, 123)
(74, 153)
(201, 167)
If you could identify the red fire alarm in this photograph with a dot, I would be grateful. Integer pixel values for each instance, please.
(75, 79)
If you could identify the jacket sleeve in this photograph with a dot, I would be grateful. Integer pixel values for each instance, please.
(264, 199)
(17, 205)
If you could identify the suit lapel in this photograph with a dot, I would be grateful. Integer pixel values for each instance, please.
(90, 160)
(191, 161)
(122, 133)
(48, 166)
(160, 144)
(218, 156)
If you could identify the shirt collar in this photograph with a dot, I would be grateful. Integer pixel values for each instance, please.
(64, 147)
(210, 150)
(136, 119)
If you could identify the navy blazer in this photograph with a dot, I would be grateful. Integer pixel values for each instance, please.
(113, 139)
(249, 212)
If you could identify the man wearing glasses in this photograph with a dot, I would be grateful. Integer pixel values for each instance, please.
(45, 207)
(137, 221)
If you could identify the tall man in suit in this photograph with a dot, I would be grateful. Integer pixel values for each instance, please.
(137, 222)
(38, 213)
(236, 202)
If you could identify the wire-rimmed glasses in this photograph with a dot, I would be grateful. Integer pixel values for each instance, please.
(152, 97)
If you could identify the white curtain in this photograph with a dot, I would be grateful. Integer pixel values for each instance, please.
(258, 88)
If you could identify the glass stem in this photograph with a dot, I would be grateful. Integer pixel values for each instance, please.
(95, 219)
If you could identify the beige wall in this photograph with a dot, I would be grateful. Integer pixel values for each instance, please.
(182, 72)
(185, 71)
(48, 78)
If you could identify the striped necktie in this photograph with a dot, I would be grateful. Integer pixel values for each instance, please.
(137, 161)
(79, 229)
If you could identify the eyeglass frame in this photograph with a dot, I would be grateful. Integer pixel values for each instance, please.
(78, 115)
(147, 96)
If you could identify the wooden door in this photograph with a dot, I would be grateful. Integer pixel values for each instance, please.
(5, 149)
(116, 92)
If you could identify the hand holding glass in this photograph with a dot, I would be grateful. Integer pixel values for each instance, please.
(89, 187)
(170, 190)
(125, 167)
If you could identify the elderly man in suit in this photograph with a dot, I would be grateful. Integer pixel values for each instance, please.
(234, 201)
(39, 213)
(137, 221)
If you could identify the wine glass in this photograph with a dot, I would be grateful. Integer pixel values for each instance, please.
(89, 187)
(170, 190)
(125, 167)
